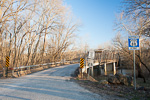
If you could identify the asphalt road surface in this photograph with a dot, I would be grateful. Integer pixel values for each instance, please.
(51, 84)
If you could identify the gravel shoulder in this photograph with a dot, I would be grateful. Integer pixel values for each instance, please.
(95, 88)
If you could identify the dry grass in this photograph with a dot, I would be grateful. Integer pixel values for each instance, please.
(116, 90)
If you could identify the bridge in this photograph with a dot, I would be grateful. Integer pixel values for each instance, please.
(100, 60)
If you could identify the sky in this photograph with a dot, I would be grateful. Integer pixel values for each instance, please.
(97, 18)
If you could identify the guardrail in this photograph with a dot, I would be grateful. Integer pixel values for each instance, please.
(23, 70)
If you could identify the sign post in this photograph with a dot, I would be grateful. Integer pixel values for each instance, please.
(7, 65)
(91, 56)
(133, 44)
(81, 65)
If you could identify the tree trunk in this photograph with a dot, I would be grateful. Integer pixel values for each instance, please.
(140, 73)
(35, 50)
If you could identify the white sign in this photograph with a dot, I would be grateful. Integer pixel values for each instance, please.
(133, 42)
(91, 54)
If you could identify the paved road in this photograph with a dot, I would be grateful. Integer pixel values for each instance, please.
(51, 84)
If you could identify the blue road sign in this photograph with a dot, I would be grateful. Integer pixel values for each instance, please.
(133, 42)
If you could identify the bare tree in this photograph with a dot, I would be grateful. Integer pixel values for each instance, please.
(34, 29)
(122, 46)
(135, 10)
(134, 20)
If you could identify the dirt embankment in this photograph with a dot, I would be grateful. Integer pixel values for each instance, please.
(116, 91)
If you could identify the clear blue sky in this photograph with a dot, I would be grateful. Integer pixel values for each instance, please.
(97, 17)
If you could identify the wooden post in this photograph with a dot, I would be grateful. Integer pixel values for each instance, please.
(29, 71)
(4, 72)
(92, 70)
(86, 66)
(12, 73)
(114, 67)
(105, 68)
(81, 74)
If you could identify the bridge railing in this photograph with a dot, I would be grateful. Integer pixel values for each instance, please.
(22, 70)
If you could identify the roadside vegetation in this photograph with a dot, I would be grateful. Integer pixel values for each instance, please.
(115, 91)
(36, 32)
(134, 19)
